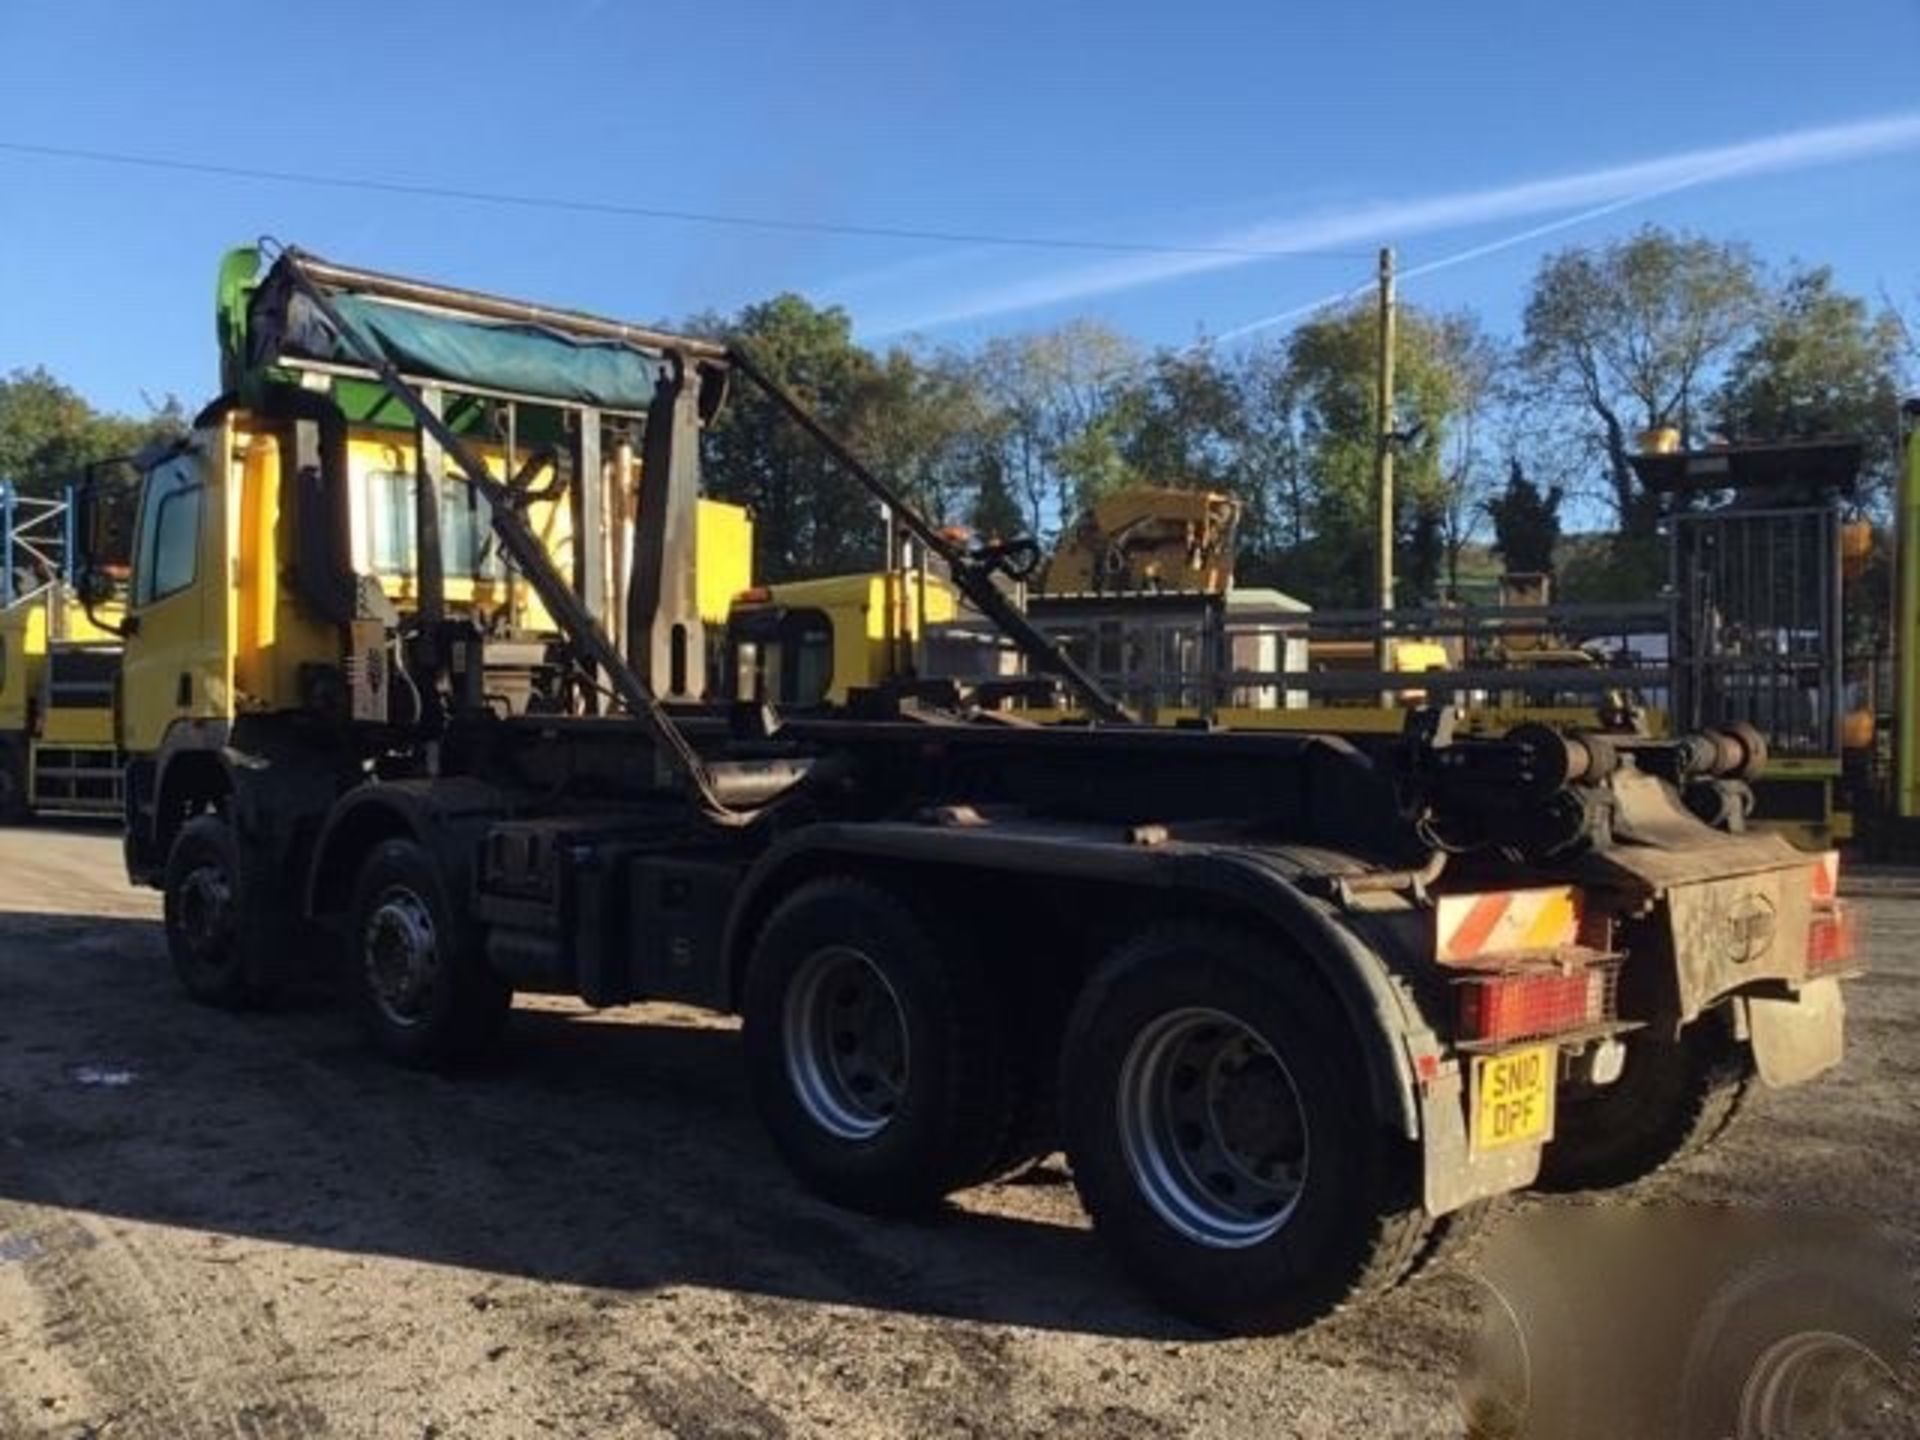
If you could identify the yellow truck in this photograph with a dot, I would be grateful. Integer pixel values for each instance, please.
(57, 672)
(1296, 1016)
(818, 642)
(1146, 537)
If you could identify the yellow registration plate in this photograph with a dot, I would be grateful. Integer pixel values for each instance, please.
(1513, 1098)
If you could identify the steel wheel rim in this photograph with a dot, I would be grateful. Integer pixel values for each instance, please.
(203, 912)
(845, 1036)
(400, 952)
(1813, 1383)
(1213, 1129)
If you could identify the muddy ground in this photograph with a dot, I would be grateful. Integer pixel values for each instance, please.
(249, 1227)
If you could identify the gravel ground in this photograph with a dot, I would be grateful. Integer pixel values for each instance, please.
(220, 1226)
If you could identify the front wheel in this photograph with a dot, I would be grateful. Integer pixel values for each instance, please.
(208, 908)
(1222, 1136)
(425, 992)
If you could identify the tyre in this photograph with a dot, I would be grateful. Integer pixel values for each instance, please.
(874, 1053)
(212, 915)
(424, 990)
(1218, 1120)
(14, 809)
(1800, 1347)
(1458, 1237)
(1674, 1097)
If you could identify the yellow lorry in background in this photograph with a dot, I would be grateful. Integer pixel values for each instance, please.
(1146, 537)
(814, 642)
(1118, 590)
(58, 668)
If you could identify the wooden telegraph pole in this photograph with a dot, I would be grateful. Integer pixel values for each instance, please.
(1383, 458)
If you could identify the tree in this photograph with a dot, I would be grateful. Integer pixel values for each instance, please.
(1631, 335)
(1821, 363)
(48, 431)
(1907, 318)
(810, 517)
(1054, 405)
(1331, 397)
(994, 513)
(1422, 548)
(1526, 522)
(1479, 364)
(1271, 476)
(1184, 422)
(920, 424)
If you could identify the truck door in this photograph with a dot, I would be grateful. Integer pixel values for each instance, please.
(178, 662)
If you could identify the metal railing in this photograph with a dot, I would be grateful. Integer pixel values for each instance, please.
(1758, 621)
(36, 539)
(1201, 654)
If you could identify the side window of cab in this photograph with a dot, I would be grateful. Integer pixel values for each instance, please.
(167, 557)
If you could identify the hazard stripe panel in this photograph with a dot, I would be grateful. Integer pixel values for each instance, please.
(1504, 921)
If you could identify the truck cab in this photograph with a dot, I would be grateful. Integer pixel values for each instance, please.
(275, 561)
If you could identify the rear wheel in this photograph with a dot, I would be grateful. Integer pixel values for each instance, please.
(1674, 1097)
(874, 1053)
(209, 914)
(425, 992)
(1222, 1136)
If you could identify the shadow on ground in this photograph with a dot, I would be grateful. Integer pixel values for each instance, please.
(601, 1151)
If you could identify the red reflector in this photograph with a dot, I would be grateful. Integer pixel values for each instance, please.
(1509, 1007)
(1826, 877)
(1832, 941)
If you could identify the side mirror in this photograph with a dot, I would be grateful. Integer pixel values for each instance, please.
(105, 501)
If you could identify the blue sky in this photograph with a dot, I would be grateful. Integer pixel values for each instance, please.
(1238, 124)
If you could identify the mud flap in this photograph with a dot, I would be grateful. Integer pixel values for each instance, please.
(1452, 1173)
(1797, 1037)
(1731, 933)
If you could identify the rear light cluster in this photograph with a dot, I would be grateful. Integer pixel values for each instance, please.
(1503, 1005)
(1526, 964)
(1833, 943)
(1833, 933)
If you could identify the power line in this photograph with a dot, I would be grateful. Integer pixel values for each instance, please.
(651, 212)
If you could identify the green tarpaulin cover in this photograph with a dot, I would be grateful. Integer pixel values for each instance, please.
(520, 359)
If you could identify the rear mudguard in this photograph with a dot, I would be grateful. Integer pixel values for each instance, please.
(1730, 917)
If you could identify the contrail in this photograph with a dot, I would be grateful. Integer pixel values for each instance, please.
(1461, 257)
(1593, 191)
